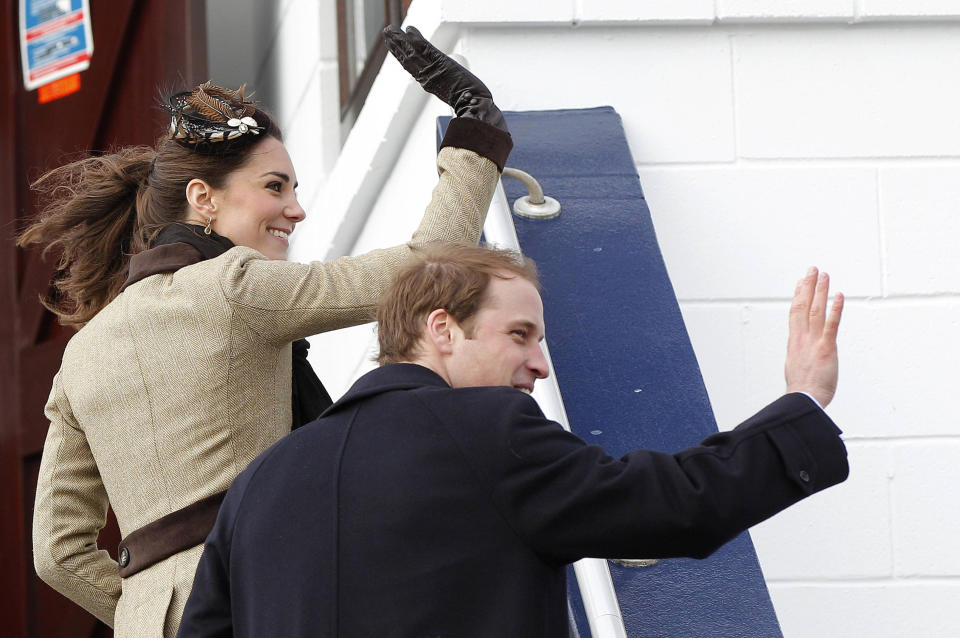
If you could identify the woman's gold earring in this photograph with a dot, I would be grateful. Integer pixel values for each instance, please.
(206, 229)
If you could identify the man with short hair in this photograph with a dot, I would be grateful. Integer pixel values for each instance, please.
(434, 498)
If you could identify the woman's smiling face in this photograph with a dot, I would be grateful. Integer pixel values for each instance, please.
(257, 206)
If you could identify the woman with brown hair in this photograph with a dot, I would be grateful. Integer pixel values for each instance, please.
(190, 358)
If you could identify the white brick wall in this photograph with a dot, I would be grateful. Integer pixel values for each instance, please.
(847, 92)
(920, 213)
(688, 69)
(800, 10)
(749, 232)
(769, 136)
(649, 11)
(496, 11)
(878, 609)
(907, 9)
(926, 524)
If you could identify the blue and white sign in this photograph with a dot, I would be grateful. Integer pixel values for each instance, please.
(56, 39)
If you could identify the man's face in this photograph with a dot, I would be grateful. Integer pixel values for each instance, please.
(503, 347)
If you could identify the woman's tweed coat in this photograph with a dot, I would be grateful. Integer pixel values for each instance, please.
(184, 378)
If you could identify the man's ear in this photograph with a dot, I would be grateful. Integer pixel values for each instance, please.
(440, 330)
(200, 198)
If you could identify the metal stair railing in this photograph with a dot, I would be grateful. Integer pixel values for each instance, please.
(593, 574)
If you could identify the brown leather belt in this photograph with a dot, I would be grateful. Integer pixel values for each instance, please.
(169, 535)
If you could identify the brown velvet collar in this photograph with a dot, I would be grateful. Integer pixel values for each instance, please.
(163, 258)
(175, 246)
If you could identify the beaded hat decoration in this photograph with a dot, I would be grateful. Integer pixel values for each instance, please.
(211, 113)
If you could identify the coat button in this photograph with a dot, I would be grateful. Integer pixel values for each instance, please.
(804, 476)
(124, 557)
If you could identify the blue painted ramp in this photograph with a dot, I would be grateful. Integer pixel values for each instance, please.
(624, 362)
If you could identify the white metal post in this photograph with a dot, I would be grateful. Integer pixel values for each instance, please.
(593, 574)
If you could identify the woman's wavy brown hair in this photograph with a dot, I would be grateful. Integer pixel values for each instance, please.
(99, 210)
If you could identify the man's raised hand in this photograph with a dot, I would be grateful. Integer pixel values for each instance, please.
(811, 365)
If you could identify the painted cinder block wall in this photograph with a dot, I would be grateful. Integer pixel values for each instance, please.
(769, 136)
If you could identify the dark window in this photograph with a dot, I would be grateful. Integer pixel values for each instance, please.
(361, 48)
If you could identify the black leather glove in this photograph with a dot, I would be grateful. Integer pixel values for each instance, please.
(437, 73)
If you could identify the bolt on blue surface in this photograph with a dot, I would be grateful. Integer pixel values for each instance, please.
(622, 356)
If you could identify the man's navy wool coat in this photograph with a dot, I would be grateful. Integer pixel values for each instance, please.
(413, 509)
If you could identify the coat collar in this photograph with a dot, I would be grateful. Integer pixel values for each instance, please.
(388, 378)
(176, 246)
(165, 258)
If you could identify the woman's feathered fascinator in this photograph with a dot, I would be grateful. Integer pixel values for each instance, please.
(210, 113)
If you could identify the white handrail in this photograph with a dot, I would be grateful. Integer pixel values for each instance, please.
(593, 575)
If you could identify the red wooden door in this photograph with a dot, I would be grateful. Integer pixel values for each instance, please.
(142, 47)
